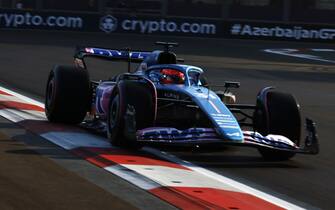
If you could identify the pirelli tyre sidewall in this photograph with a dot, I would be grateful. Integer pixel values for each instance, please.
(114, 118)
(131, 107)
(68, 95)
(277, 113)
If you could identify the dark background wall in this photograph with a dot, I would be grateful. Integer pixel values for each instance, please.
(304, 11)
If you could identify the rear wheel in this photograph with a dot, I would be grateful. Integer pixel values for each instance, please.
(132, 107)
(278, 113)
(67, 95)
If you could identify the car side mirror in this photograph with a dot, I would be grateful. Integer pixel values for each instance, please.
(229, 84)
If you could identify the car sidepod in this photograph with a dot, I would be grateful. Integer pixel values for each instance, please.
(223, 120)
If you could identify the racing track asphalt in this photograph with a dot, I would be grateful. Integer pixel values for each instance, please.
(27, 57)
(31, 181)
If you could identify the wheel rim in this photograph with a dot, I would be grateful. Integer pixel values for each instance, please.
(50, 93)
(114, 112)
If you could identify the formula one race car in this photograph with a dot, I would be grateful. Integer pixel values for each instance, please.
(163, 102)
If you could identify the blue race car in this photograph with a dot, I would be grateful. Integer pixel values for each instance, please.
(167, 103)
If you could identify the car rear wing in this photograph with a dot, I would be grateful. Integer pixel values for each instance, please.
(108, 54)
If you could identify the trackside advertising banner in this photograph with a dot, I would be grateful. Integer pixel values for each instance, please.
(92, 22)
(20, 19)
(162, 26)
(277, 31)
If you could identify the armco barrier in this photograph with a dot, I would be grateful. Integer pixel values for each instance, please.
(65, 21)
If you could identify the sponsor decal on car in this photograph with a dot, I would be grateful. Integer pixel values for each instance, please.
(171, 95)
(271, 139)
(103, 94)
(225, 121)
(117, 53)
(173, 133)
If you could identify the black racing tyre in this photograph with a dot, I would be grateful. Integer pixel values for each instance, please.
(67, 95)
(132, 107)
(278, 114)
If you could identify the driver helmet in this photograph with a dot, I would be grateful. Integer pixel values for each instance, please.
(172, 76)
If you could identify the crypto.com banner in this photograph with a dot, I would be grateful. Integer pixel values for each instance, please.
(162, 26)
(21, 19)
(209, 28)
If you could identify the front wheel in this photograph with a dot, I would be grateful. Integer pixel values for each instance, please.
(277, 113)
(132, 107)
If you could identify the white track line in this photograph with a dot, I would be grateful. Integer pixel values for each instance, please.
(297, 54)
(323, 50)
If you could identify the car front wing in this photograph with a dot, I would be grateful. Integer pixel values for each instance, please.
(200, 136)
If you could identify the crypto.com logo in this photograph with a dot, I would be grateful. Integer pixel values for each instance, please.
(108, 23)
